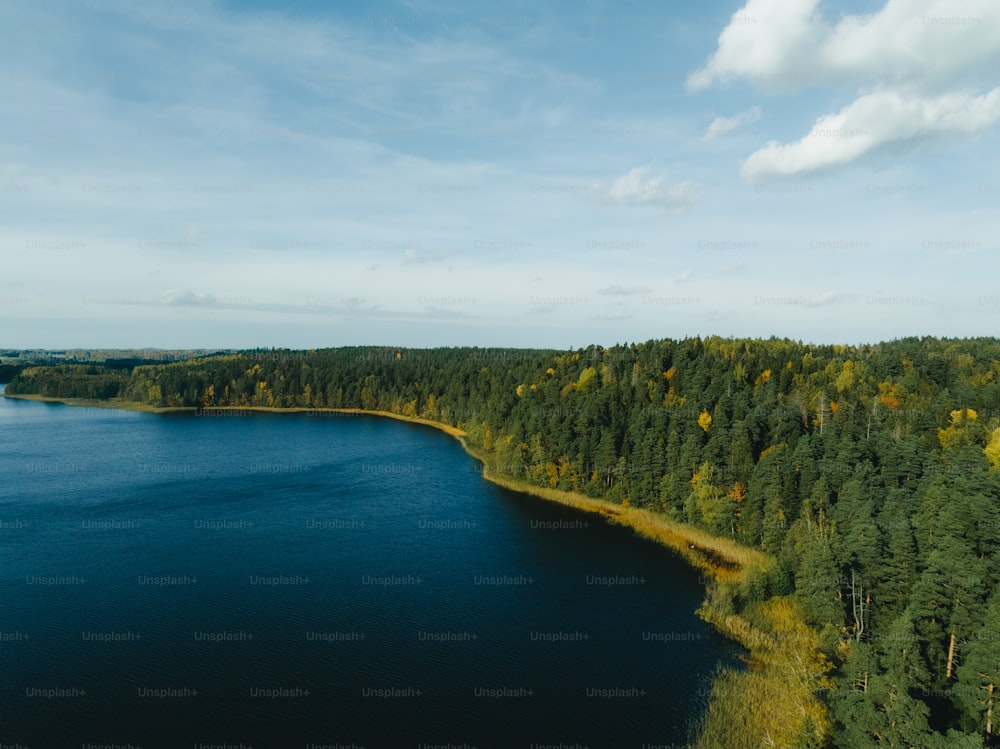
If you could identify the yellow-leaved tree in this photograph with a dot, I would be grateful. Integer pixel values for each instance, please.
(960, 428)
(586, 379)
(992, 449)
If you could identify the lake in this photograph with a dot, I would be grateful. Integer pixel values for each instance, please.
(281, 580)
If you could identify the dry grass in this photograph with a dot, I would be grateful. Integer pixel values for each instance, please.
(447, 429)
(774, 702)
(739, 629)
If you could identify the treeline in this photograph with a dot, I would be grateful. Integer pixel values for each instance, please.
(868, 473)
(55, 368)
(92, 382)
(9, 371)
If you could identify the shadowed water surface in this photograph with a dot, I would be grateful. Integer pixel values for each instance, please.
(294, 580)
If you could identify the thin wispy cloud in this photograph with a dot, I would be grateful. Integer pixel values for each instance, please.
(623, 290)
(721, 126)
(638, 188)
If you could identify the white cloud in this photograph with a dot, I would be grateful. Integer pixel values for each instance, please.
(822, 300)
(186, 297)
(763, 41)
(635, 189)
(917, 68)
(443, 312)
(786, 44)
(623, 290)
(415, 257)
(724, 125)
(613, 316)
(872, 121)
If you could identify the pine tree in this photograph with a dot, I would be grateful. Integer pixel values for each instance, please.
(978, 687)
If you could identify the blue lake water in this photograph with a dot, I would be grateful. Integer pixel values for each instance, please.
(321, 581)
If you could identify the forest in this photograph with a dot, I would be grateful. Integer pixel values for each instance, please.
(869, 474)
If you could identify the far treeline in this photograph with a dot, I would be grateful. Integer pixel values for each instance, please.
(868, 474)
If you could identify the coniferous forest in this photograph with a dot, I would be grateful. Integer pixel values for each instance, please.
(869, 476)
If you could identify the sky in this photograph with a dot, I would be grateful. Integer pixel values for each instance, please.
(208, 174)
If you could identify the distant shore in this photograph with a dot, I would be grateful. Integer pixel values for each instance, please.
(118, 405)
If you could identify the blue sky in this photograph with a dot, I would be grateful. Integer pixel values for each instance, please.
(208, 174)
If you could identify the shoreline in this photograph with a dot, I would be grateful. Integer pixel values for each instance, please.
(725, 559)
(122, 405)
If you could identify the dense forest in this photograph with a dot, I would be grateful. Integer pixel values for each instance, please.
(14, 361)
(868, 474)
